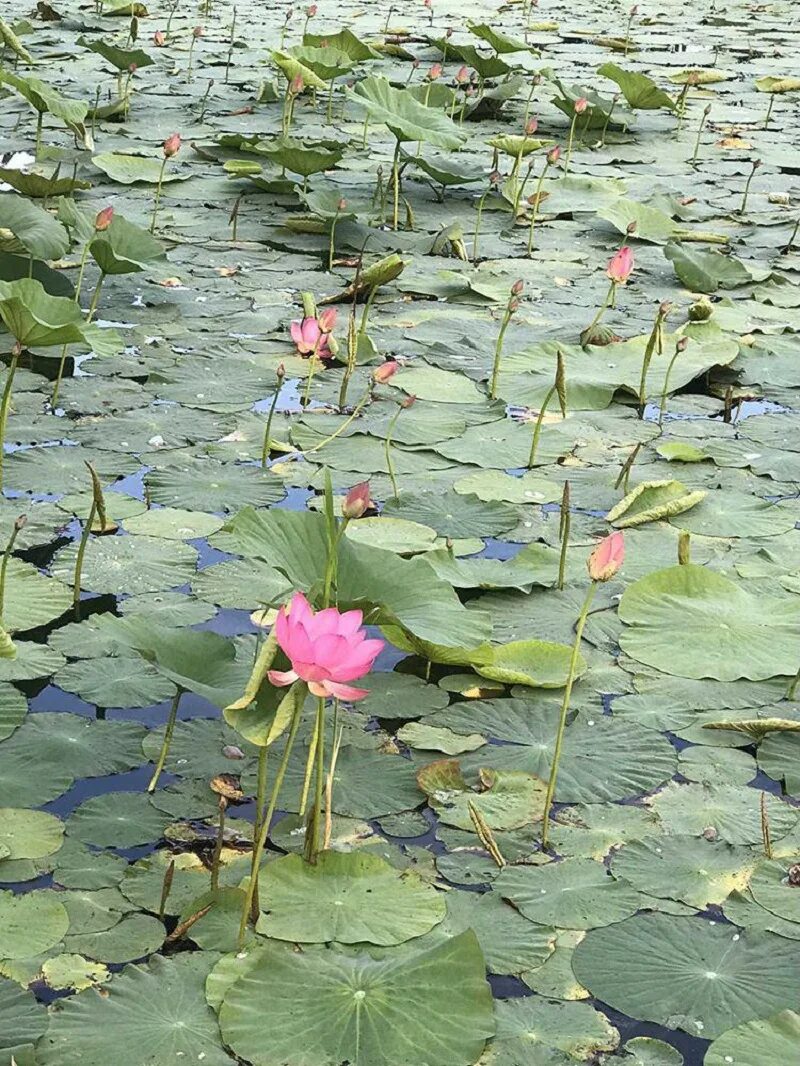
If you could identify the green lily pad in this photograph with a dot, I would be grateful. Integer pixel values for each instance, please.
(28, 834)
(651, 501)
(30, 924)
(117, 820)
(129, 169)
(772, 1039)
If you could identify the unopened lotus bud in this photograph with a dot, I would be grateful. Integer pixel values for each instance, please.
(495, 177)
(230, 751)
(311, 10)
(682, 344)
(462, 75)
(517, 287)
(620, 267)
(159, 38)
(385, 371)
(280, 372)
(132, 68)
(553, 155)
(342, 205)
(664, 308)
(172, 145)
(103, 219)
(531, 126)
(631, 228)
(296, 85)
(607, 558)
(20, 522)
(197, 32)
(580, 105)
(409, 401)
(357, 501)
(435, 72)
(701, 310)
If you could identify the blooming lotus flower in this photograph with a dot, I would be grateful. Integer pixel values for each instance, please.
(620, 267)
(607, 558)
(327, 649)
(310, 339)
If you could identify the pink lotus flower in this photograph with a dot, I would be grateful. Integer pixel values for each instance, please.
(620, 267)
(580, 105)
(357, 501)
(310, 339)
(607, 558)
(326, 649)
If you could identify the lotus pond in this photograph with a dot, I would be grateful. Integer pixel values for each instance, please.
(399, 550)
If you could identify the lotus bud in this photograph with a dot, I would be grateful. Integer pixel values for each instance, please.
(495, 177)
(311, 10)
(357, 501)
(132, 68)
(531, 126)
(230, 751)
(664, 308)
(513, 306)
(103, 219)
(197, 32)
(159, 38)
(327, 320)
(580, 105)
(415, 64)
(409, 401)
(280, 372)
(448, 32)
(296, 85)
(682, 344)
(518, 287)
(462, 76)
(607, 558)
(553, 155)
(435, 72)
(701, 310)
(342, 205)
(634, 10)
(172, 145)
(20, 522)
(620, 267)
(385, 371)
(631, 228)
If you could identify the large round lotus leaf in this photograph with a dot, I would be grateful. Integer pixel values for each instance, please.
(430, 1008)
(591, 830)
(366, 785)
(76, 866)
(30, 924)
(117, 820)
(213, 487)
(491, 485)
(689, 869)
(167, 609)
(408, 119)
(534, 564)
(349, 897)
(120, 681)
(63, 469)
(128, 169)
(716, 766)
(29, 834)
(31, 599)
(738, 514)
(572, 894)
(575, 1028)
(22, 1019)
(602, 758)
(197, 748)
(173, 523)
(688, 973)
(82, 746)
(453, 514)
(155, 1013)
(509, 942)
(94, 912)
(554, 978)
(690, 621)
(96, 637)
(430, 383)
(32, 661)
(646, 1051)
(507, 799)
(134, 937)
(393, 534)
(394, 695)
(13, 708)
(143, 882)
(766, 1040)
(241, 583)
(733, 812)
(779, 756)
(129, 564)
(772, 889)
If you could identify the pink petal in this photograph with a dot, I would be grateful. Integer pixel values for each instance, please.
(282, 678)
(349, 622)
(345, 692)
(330, 650)
(296, 332)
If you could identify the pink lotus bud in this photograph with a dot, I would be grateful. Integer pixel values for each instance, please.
(357, 501)
(664, 308)
(631, 228)
(311, 10)
(280, 372)
(620, 267)
(159, 38)
(495, 177)
(531, 126)
(385, 371)
(296, 85)
(409, 401)
(606, 559)
(462, 75)
(517, 287)
(103, 219)
(428, 4)
(197, 32)
(513, 305)
(553, 155)
(580, 105)
(172, 145)
(634, 10)
(342, 205)
(132, 68)
(327, 320)
(435, 72)
(682, 344)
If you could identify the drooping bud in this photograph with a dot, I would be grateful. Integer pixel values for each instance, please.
(385, 372)
(620, 267)
(172, 145)
(103, 219)
(357, 501)
(607, 558)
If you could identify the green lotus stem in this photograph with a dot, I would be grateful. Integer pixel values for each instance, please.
(5, 403)
(794, 234)
(166, 888)
(631, 14)
(396, 185)
(569, 142)
(362, 329)
(310, 760)
(387, 450)
(268, 427)
(625, 469)
(706, 111)
(165, 745)
(521, 189)
(528, 103)
(261, 789)
(481, 202)
(652, 341)
(95, 298)
(261, 840)
(700, 236)
(355, 412)
(607, 121)
(221, 807)
(769, 109)
(608, 302)
(535, 212)
(172, 11)
(562, 720)
(18, 525)
(352, 353)
(230, 47)
(366, 131)
(39, 123)
(564, 527)
(312, 842)
(62, 362)
(684, 548)
(498, 351)
(537, 429)
(662, 407)
(81, 269)
(756, 164)
(158, 193)
(204, 101)
(332, 240)
(191, 50)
